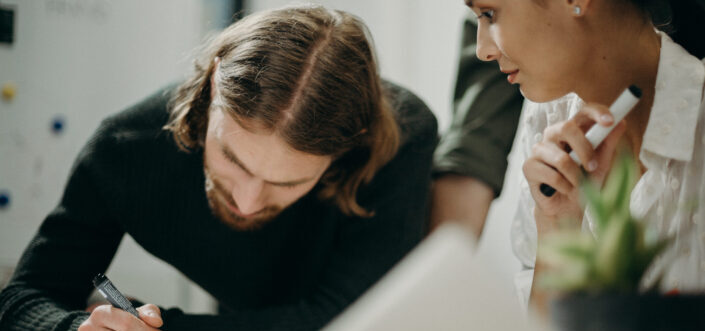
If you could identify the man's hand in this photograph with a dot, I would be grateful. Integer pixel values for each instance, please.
(107, 317)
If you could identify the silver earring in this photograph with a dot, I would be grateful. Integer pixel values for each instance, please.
(577, 10)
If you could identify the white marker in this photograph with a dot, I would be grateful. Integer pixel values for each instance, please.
(619, 109)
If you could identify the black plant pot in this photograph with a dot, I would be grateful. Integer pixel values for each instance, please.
(648, 312)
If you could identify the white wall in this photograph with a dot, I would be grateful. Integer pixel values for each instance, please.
(82, 60)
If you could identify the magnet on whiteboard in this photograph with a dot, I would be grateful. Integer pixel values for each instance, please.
(9, 90)
(4, 199)
(57, 125)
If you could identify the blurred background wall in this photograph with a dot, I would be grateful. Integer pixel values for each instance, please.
(71, 63)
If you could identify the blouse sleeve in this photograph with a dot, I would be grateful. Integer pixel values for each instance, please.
(523, 230)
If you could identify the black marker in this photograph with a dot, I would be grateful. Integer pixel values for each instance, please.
(619, 109)
(110, 292)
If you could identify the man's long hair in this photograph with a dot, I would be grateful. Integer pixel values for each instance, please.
(307, 74)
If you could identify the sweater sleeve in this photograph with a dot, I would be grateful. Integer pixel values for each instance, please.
(77, 240)
(366, 248)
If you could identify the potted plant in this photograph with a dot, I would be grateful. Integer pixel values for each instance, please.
(597, 275)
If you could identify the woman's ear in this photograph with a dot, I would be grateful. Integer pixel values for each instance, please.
(578, 8)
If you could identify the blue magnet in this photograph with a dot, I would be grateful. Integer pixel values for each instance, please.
(57, 125)
(4, 199)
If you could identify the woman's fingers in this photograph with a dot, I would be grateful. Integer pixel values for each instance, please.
(568, 136)
(551, 164)
(606, 151)
(557, 159)
(537, 172)
(592, 113)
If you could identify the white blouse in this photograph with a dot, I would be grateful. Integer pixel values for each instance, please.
(669, 197)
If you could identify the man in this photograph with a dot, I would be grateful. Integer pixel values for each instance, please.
(282, 177)
(471, 159)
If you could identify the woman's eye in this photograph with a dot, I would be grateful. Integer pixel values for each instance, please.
(489, 14)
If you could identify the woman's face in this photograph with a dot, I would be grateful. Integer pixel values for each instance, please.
(539, 46)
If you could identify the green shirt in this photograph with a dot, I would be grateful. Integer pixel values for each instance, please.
(486, 111)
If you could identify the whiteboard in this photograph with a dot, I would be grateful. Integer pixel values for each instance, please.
(78, 61)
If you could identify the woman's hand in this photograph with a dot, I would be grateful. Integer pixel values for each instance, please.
(551, 164)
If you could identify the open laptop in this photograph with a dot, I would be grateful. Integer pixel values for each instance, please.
(440, 285)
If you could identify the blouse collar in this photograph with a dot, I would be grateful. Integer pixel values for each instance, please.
(671, 128)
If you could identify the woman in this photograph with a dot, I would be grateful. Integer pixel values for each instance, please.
(580, 55)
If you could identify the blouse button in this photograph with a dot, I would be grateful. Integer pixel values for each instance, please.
(695, 217)
(685, 251)
(675, 183)
(666, 129)
(531, 119)
(649, 190)
(538, 137)
(552, 117)
(683, 105)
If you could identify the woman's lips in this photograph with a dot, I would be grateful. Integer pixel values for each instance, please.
(512, 77)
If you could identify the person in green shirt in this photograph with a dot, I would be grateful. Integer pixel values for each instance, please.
(471, 158)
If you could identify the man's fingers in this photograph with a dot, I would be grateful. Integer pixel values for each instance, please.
(89, 325)
(112, 318)
(115, 318)
(151, 315)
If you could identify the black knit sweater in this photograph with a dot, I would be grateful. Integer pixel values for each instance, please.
(295, 273)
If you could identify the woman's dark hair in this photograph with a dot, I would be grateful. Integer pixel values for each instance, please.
(683, 20)
(689, 25)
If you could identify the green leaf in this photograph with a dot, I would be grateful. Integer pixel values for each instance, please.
(621, 251)
(563, 247)
(614, 251)
(575, 278)
(594, 202)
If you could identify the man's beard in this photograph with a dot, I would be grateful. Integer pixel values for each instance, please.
(218, 198)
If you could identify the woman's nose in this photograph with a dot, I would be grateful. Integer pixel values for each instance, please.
(486, 49)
